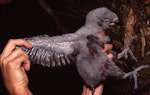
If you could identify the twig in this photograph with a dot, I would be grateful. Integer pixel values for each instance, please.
(143, 42)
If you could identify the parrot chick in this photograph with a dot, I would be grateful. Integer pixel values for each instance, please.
(61, 49)
(83, 48)
(92, 63)
(95, 67)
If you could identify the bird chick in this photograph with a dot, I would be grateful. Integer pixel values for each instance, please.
(95, 67)
(85, 51)
(60, 50)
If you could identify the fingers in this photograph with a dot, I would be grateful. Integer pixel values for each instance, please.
(27, 65)
(110, 56)
(107, 47)
(84, 90)
(13, 62)
(87, 91)
(21, 62)
(11, 46)
(102, 34)
(17, 59)
(99, 90)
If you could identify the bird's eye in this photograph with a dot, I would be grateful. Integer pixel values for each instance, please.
(106, 20)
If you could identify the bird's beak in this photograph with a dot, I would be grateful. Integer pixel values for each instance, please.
(114, 22)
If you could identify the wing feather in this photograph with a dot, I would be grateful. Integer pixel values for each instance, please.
(50, 53)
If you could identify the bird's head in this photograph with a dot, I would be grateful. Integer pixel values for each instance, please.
(102, 17)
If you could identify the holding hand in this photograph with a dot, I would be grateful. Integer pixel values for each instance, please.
(14, 62)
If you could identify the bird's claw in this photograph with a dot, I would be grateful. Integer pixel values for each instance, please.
(134, 74)
(127, 50)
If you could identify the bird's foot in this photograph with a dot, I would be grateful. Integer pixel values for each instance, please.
(127, 50)
(95, 39)
(134, 74)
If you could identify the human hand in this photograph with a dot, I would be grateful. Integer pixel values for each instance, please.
(13, 63)
(99, 89)
(87, 91)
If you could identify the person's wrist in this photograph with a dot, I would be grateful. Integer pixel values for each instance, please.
(20, 91)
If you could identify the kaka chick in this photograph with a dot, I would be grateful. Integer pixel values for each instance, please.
(60, 50)
(83, 48)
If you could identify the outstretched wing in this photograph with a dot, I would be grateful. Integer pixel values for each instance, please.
(51, 51)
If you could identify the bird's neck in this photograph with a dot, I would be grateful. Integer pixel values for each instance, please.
(89, 29)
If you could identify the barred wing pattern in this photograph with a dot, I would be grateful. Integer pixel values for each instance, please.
(50, 53)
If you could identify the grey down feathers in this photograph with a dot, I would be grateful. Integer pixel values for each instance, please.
(84, 48)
